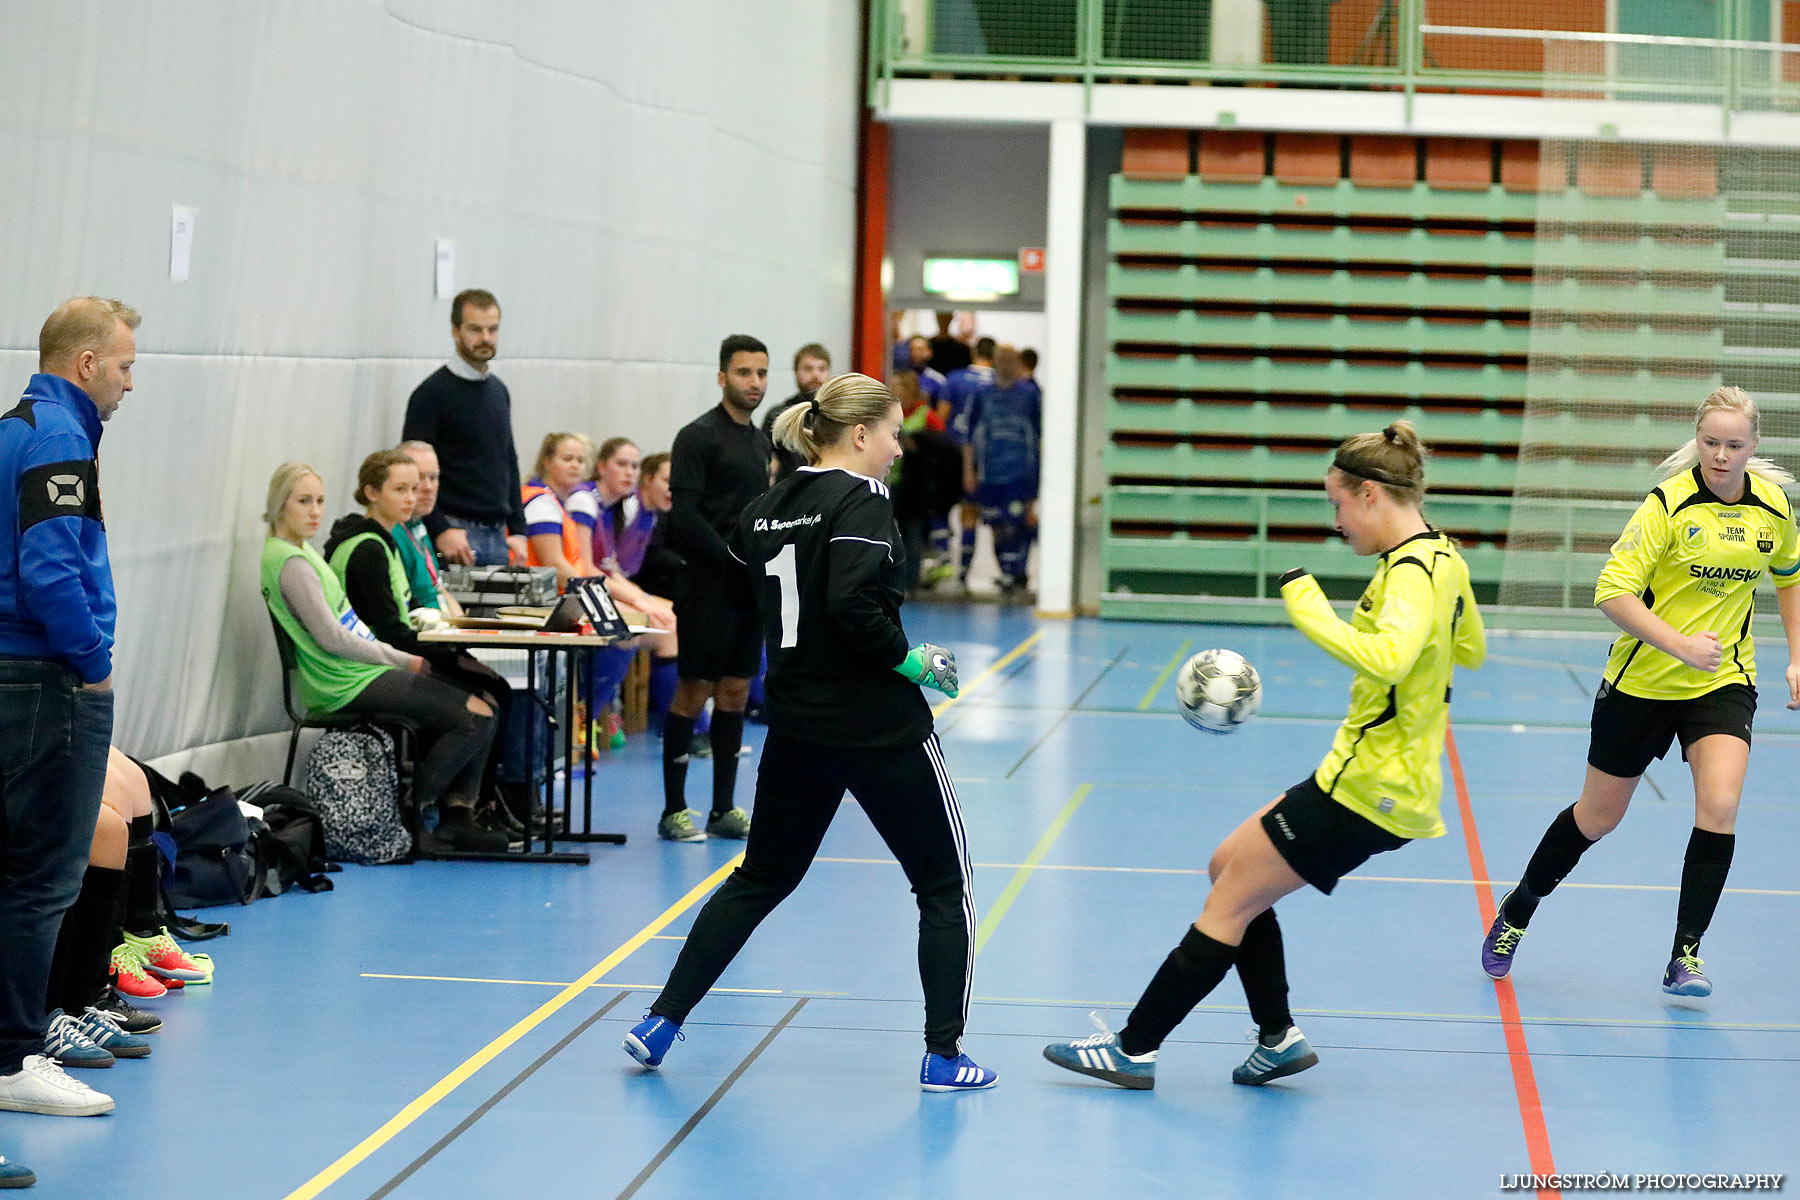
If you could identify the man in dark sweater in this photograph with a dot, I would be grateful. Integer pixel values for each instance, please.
(721, 464)
(812, 367)
(465, 413)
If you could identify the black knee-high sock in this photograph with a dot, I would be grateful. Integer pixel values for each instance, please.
(678, 736)
(1262, 969)
(1702, 880)
(1562, 846)
(727, 738)
(85, 943)
(1192, 970)
(143, 895)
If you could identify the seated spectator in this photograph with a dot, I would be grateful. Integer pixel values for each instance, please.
(91, 1024)
(423, 570)
(364, 551)
(621, 539)
(344, 667)
(560, 509)
(623, 530)
(146, 963)
(657, 572)
(660, 575)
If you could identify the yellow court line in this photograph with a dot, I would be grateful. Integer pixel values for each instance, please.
(449, 1083)
(995, 914)
(1603, 887)
(1144, 704)
(947, 703)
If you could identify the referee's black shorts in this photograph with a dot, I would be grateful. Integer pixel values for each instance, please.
(1321, 839)
(717, 639)
(1629, 731)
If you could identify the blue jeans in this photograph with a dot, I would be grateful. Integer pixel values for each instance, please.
(53, 745)
(487, 541)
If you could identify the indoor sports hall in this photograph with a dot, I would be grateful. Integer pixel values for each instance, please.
(1137, 276)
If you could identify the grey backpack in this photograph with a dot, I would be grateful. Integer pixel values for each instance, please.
(353, 783)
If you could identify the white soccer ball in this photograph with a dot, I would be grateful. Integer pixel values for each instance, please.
(1218, 690)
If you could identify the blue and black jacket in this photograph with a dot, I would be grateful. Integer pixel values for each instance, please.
(56, 586)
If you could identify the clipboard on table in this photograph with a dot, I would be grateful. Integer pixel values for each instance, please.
(597, 604)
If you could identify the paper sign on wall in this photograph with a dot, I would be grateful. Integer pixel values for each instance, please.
(181, 240)
(444, 276)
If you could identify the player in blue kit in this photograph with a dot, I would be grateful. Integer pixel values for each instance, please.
(1000, 463)
(961, 387)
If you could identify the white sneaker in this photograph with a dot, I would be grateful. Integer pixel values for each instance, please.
(41, 1086)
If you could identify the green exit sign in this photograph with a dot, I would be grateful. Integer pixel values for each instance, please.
(971, 278)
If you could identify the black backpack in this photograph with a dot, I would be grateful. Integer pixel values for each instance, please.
(288, 843)
(213, 860)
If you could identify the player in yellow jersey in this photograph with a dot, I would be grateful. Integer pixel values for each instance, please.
(1376, 790)
(1681, 585)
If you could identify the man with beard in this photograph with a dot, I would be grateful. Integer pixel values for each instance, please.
(812, 367)
(721, 464)
(465, 412)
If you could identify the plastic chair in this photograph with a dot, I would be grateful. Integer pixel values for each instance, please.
(405, 732)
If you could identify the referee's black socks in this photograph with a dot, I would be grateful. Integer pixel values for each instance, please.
(1556, 855)
(1702, 881)
(1192, 970)
(727, 740)
(678, 738)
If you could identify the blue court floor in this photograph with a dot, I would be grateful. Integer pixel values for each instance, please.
(452, 1030)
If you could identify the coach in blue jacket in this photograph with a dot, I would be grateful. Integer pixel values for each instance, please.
(56, 704)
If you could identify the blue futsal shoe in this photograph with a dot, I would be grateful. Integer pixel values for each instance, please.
(1289, 1056)
(651, 1038)
(1683, 976)
(959, 1074)
(1104, 1058)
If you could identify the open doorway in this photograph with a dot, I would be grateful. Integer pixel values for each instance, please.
(960, 566)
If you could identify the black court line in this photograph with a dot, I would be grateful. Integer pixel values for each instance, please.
(1085, 692)
(1585, 690)
(1006, 676)
(662, 1155)
(487, 1105)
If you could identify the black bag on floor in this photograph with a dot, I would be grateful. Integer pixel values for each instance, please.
(213, 860)
(166, 797)
(289, 842)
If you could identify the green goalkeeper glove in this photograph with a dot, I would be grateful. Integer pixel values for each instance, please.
(930, 666)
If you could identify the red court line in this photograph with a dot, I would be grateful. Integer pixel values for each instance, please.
(1531, 1109)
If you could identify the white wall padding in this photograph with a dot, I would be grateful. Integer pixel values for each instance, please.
(634, 181)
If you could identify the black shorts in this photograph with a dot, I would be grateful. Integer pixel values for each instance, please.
(1321, 839)
(1629, 731)
(717, 640)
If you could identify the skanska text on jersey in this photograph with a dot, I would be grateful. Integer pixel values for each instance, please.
(1736, 574)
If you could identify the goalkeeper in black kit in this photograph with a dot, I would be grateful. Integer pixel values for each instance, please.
(845, 713)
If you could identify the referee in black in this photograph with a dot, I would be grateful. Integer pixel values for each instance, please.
(721, 464)
(845, 713)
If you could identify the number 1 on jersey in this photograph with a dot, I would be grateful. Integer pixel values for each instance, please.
(784, 567)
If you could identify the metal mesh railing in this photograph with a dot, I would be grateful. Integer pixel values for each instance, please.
(1729, 52)
(1716, 289)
